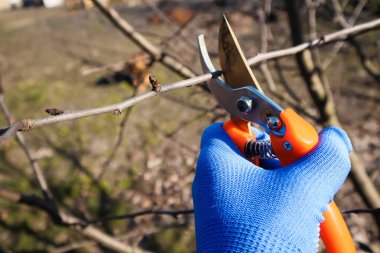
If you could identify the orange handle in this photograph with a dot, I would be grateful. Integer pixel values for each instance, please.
(300, 138)
(334, 232)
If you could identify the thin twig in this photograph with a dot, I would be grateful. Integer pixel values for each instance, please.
(48, 205)
(34, 201)
(352, 20)
(264, 47)
(289, 96)
(29, 124)
(289, 91)
(297, 105)
(178, 32)
(173, 27)
(66, 220)
(323, 40)
(322, 98)
(156, 53)
(21, 140)
(74, 246)
(91, 70)
(186, 103)
(363, 210)
(366, 63)
(312, 23)
(174, 214)
(119, 139)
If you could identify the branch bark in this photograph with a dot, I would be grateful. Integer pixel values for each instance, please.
(340, 35)
(173, 213)
(366, 63)
(29, 124)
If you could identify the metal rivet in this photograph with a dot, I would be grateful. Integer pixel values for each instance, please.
(244, 104)
(274, 123)
(288, 146)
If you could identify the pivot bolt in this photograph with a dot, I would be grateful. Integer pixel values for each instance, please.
(274, 123)
(244, 104)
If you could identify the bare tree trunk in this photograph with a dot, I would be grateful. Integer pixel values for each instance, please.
(320, 92)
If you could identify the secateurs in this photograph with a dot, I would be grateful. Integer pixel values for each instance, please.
(291, 137)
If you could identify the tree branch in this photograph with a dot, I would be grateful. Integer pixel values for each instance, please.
(363, 210)
(21, 140)
(366, 63)
(322, 98)
(340, 35)
(339, 11)
(34, 201)
(119, 139)
(72, 247)
(28, 124)
(48, 205)
(174, 214)
(173, 27)
(264, 47)
(66, 220)
(156, 53)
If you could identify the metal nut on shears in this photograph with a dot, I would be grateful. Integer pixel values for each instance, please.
(274, 123)
(244, 104)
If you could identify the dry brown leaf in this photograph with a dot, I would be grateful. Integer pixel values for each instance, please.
(136, 67)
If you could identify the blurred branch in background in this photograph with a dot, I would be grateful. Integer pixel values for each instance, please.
(177, 31)
(340, 35)
(365, 61)
(352, 20)
(21, 140)
(67, 220)
(156, 53)
(29, 124)
(172, 213)
(375, 211)
(49, 205)
(320, 91)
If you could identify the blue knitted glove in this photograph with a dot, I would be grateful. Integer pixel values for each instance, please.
(240, 207)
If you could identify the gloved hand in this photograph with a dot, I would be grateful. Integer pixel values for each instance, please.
(240, 207)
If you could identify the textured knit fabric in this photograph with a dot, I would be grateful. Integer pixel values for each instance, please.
(240, 207)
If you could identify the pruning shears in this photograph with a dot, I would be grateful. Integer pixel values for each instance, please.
(291, 137)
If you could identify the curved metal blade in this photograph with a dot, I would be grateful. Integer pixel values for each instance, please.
(236, 70)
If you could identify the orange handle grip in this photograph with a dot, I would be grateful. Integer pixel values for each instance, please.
(300, 138)
(334, 232)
